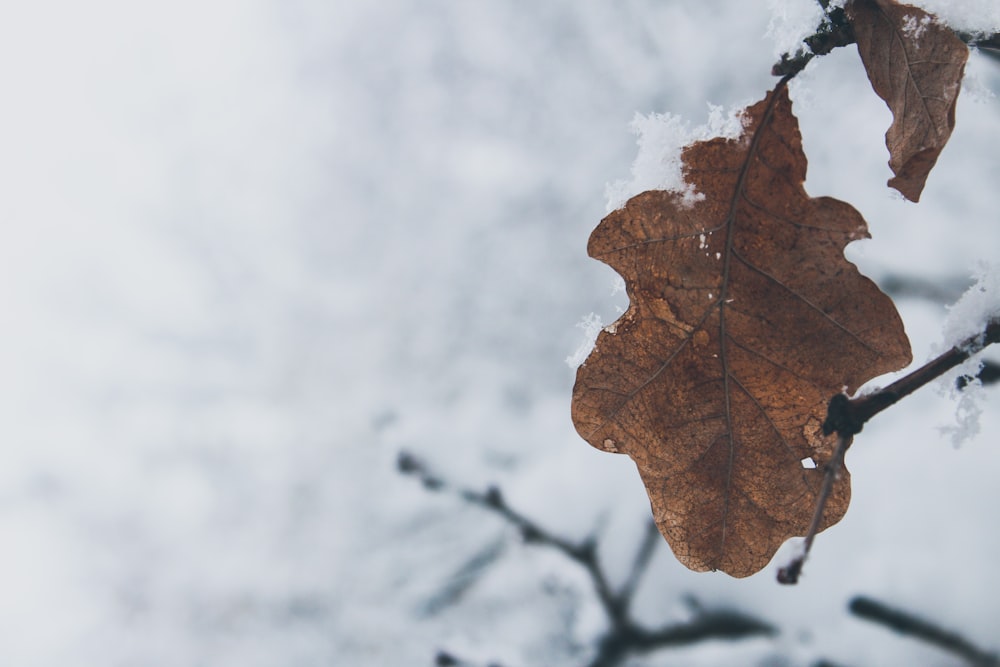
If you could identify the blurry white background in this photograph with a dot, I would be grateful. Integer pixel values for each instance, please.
(253, 249)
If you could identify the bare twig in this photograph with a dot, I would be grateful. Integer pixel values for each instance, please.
(624, 636)
(446, 659)
(627, 638)
(645, 552)
(584, 553)
(789, 574)
(906, 623)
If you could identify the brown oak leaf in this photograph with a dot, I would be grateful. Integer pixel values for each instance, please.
(744, 319)
(916, 65)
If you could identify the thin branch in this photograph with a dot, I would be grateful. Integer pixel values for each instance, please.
(790, 573)
(907, 624)
(720, 624)
(624, 636)
(847, 416)
(723, 624)
(642, 557)
(584, 553)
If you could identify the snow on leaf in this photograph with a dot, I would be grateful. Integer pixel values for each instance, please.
(591, 325)
(660, 139)
(719, 400)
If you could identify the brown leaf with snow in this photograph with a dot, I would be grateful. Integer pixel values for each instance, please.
(916, 65)
(744, 319)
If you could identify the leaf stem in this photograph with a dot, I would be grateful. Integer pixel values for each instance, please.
(789, 574)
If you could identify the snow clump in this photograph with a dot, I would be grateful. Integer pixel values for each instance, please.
(591, 325)
(662, 136)
(966, 322)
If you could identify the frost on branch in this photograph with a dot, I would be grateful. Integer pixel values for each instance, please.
(978, 305)
(966, 321)
(744, 319)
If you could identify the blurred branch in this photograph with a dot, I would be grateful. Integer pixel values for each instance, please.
(650, 540)
(584, 553)
(907, 624)
(445, 659)
(464, 578)
(941, 290)
(624, 636)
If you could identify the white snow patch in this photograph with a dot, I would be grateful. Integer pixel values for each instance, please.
(591, 325)
(966, 321)
(975, 85)
(618, 286)
(658, 164)
(980, 17)
(978, 305)
(914, 26)
(791, 22)
(968, 405)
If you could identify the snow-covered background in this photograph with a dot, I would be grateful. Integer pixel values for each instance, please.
(253, 249)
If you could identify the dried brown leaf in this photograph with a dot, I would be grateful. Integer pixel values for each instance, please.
(916, 65)
(744, 320)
